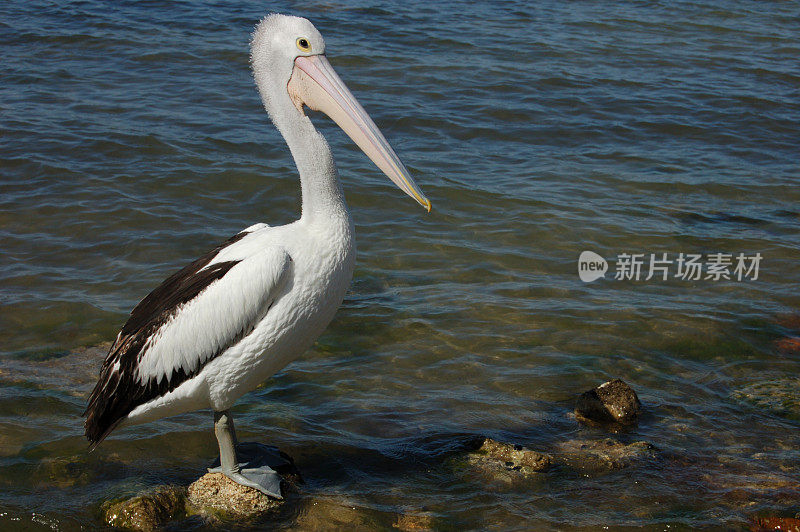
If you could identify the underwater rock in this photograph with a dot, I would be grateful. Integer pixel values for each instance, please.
(789, 345)
(337, 513)
(790, 321)
(765, 524)
(514, 456)
(148, 511)
(414, 522)
(746, 483)
(779, 396)
(12, 439)
(506, 462)
(611, 402)
(73, 372)
(605, 455)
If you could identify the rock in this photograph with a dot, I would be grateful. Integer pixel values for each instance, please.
(611, 402)
(790, 321)
(513, 456)
(506, 463)
(148, 511)
(789, 345)
(784, 524)
(752, 483)
(12, 440)
(337, 513)
(66, 471)
(779, 396)
(213, 497)
(214, 493)
(74, 372)
(413, 522)
(604, 455)
(216, 496)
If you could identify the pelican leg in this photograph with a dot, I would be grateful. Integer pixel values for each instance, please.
(254, 471)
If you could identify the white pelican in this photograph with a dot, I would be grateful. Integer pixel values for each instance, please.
(229, 320)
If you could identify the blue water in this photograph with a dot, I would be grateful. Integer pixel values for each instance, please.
(132, 139)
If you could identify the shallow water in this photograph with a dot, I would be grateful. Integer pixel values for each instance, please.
(133, 140)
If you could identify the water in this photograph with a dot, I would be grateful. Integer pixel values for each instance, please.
(133, 140)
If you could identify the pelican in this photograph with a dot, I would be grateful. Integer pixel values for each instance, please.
(217, 328)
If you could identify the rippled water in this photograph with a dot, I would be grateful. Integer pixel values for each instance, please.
(132, 140)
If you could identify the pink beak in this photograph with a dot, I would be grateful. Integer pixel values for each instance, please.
(315, 84)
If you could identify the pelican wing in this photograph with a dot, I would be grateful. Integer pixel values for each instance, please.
(191, 318)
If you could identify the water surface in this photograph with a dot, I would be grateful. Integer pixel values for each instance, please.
(132, 140)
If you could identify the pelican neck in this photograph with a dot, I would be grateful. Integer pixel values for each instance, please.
(322, 196)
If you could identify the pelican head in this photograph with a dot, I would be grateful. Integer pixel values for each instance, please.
(291, 71)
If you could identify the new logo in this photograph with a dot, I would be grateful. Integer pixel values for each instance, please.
(591, 266)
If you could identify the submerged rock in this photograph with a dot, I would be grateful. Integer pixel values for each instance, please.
(505, 462)
(148, 511)
(789, 345)
(74, 372)
(779, 396)
(611, 402)
(790, 321)
(739, 482)
(513, 456)
(415, 522)
(785, 524)
(337, 513)
(12, 439)
(604, 455)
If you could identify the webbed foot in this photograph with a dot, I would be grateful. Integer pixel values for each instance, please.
(255, 468)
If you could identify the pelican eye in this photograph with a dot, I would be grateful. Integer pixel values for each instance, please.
(303, 45)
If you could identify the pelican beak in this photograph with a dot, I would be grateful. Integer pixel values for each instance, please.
(315, 84)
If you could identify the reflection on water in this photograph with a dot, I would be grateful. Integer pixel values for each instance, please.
(133, 140)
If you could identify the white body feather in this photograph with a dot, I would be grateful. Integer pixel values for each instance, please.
(302, 270)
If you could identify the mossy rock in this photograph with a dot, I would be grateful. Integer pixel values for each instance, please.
(502, 463)
(513, 457)
(148, 511)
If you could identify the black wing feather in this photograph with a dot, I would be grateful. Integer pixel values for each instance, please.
(119, 391)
